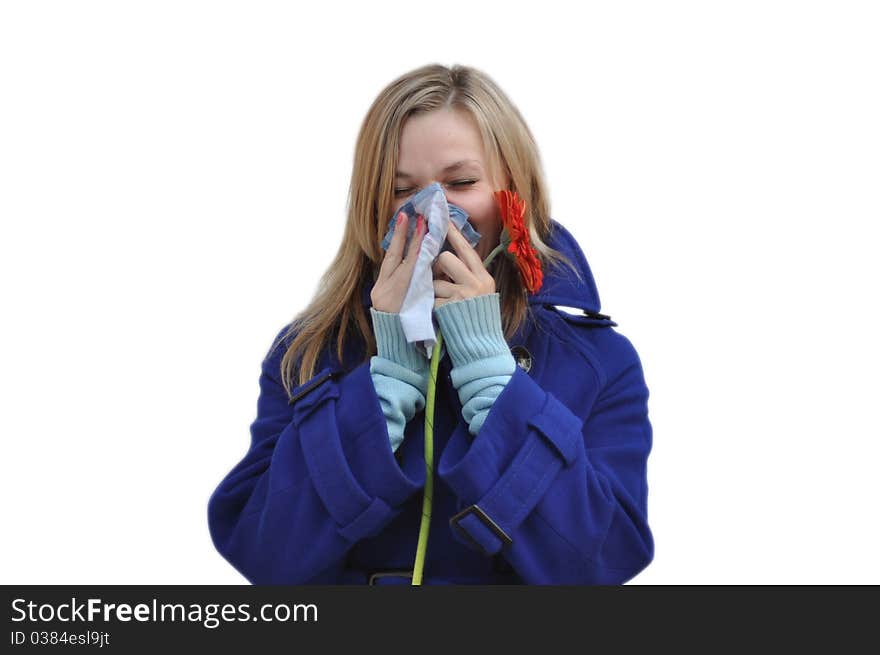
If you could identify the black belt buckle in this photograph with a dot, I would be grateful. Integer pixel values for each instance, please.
(385, 574)
(488, 522)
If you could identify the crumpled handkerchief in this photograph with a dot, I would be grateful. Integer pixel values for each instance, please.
(417, 311)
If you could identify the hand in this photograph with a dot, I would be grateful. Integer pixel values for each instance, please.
(396, 271)
(458, 278)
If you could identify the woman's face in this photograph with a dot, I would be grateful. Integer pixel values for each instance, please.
(444, 146)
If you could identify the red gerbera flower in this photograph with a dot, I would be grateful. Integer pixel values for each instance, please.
(515, 236)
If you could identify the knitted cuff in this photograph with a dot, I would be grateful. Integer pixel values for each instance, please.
(391, 342)
(472, 328)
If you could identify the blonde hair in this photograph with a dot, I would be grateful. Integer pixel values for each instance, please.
(511, 153)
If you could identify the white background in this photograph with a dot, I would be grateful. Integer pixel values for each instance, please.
(172, 183)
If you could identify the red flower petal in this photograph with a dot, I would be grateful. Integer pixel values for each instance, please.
(513, 209)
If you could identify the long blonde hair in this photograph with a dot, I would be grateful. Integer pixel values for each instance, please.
(511, 151)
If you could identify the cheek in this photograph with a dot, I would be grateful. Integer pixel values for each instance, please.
(482, 210)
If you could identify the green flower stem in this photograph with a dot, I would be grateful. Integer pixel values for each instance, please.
(428, 499)
(500, 247)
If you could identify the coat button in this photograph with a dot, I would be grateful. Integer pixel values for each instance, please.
(523, 357)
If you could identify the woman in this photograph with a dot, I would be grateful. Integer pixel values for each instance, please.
(540, 428)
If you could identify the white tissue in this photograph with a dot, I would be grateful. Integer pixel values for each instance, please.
(417, 311)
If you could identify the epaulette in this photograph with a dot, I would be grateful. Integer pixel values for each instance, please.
(308, 386)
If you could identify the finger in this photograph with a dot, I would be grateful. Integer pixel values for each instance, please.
(438, 301)
(443, 289)
(454, 268)
(464, 249)
(415, 243)
(438, 271)
(395, 248)
(398, 239)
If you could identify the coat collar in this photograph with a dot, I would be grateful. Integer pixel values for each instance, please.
(560, 286)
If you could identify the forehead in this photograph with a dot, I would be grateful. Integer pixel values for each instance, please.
(432, 141)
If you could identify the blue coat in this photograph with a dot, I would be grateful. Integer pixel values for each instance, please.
(553, 489)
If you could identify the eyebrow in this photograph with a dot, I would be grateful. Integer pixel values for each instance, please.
(449, 169)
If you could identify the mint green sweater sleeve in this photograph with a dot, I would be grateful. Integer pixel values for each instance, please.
(481, 359)
(400, 374)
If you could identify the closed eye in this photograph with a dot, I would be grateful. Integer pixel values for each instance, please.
(459, 183)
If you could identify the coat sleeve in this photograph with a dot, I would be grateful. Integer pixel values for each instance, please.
(319, 476)
(561, 497)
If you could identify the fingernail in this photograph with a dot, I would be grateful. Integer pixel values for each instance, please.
(399, 218)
